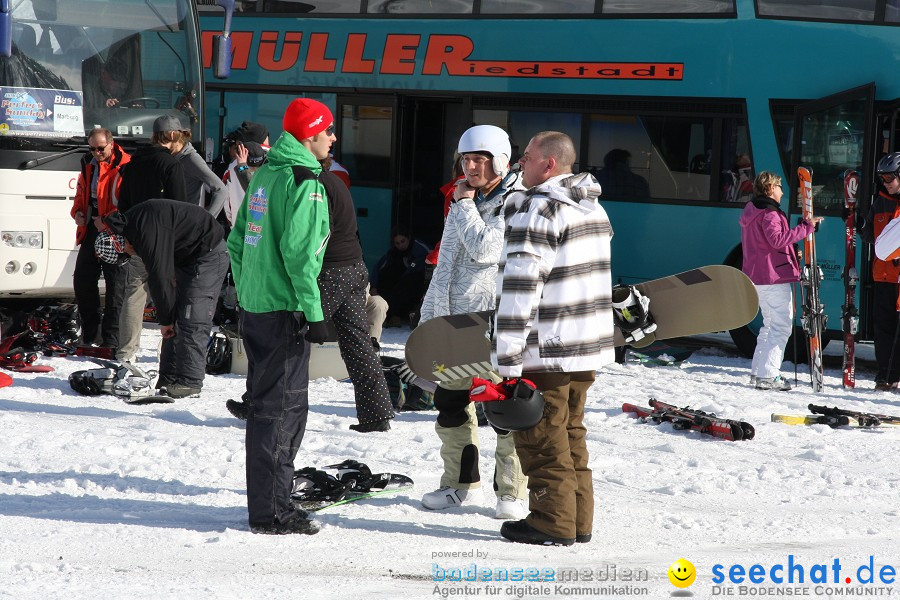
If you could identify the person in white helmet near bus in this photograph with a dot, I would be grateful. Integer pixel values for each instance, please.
(464, 281)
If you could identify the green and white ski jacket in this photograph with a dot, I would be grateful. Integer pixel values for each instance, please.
(554, 307)
(280, 234)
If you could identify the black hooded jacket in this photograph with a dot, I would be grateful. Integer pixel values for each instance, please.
(152, 173)
(167, 234)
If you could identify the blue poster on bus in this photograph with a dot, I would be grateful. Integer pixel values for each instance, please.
(40, 112)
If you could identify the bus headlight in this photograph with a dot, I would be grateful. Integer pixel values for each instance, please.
(23, 239)
(29, 268)
(11, 267)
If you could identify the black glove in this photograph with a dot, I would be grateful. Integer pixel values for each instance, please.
(317, 332)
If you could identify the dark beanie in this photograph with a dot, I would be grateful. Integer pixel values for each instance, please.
(250, 132)
(116, 221)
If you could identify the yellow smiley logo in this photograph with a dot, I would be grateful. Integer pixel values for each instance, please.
(682, 573)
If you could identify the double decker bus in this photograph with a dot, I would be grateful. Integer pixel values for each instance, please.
(67, 66)
(675, 106)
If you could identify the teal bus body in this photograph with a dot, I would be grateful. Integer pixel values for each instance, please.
(578, 75)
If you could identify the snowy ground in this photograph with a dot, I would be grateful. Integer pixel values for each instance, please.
(99, 499)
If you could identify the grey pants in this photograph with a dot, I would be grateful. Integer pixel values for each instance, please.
(131, 317)
(183, 357)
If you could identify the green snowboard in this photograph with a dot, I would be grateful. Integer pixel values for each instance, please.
(704, 300)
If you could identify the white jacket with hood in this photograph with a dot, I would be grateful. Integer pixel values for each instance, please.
(466, 273)
(554, 307)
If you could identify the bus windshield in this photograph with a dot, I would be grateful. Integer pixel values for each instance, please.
(97, 63)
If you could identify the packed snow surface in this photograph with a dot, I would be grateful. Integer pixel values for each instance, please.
(100, 499)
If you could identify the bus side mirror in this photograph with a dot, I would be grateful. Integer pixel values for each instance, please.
(221, 56)
(222, 43)
(6, 28)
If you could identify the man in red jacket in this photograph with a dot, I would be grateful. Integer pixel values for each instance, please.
(98, 183)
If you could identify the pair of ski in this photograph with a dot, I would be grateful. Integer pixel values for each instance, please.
(316, 490)
(836, 417)
(813, 314)
(695, 420)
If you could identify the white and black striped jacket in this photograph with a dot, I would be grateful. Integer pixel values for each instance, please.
(554, 283)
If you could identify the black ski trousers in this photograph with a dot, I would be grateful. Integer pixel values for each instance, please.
(277, 389)
(887, 342)
(197, 286)
(97, 326)
(343, 294)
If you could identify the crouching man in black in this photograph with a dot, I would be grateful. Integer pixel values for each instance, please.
(184, 251)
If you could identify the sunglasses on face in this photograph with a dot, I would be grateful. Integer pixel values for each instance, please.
(98, 148)
(889, 177)
(330, 130)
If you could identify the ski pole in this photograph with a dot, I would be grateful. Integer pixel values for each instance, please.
(794, 299)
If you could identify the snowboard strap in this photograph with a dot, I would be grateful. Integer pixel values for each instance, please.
(17, 358)
(631, 313)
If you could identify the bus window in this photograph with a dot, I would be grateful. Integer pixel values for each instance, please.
(306, 6)
(892, 11)
(534, 6)
(648, 7)
(832, 141)
(638, 158)
(738, 171)
(833, 10)
(400, 7)
(521, 125)
(365, 142)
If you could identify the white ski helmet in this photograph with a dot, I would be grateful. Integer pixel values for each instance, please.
(490, 139)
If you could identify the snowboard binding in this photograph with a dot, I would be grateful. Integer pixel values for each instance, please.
(314, 486)
(631, 313)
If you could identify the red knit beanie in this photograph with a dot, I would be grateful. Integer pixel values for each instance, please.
(305, 118)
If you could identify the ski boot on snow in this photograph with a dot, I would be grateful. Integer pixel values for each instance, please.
(631, 313)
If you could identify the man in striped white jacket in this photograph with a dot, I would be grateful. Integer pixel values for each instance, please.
(554, 326)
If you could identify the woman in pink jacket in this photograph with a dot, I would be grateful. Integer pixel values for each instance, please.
(770, 261)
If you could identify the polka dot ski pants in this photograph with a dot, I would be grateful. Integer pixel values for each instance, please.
(343, 292)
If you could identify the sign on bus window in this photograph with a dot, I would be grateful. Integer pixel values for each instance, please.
(37, 112)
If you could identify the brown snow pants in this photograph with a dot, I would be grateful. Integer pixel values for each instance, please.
(554, 457)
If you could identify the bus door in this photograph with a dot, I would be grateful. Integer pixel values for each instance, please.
(429, 129)
(885, 139)
(365, 147)
(831, 135)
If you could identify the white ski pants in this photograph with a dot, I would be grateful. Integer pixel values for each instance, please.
(776, 302)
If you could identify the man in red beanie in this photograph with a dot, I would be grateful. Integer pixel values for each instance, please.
(276, 249)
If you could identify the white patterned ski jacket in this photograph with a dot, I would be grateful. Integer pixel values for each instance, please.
(464, 278)
(554, 308)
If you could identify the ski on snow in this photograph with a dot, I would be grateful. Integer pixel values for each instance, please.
(696, 420)
(837, 417)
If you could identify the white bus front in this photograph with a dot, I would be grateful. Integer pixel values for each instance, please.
(75, 65)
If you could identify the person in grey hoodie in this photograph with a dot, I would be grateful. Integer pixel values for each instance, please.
(197, 174)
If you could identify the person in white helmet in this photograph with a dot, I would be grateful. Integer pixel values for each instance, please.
(464, 281)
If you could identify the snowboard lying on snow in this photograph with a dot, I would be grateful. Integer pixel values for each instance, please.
(349, 481)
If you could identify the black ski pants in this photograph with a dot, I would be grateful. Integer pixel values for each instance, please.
(98, 326)
(343, 294)
(277, 389)
(183, 357)
(887, 340)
